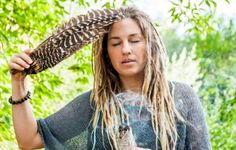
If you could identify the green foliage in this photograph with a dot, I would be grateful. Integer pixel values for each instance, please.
(196, 15)
(19, 21)
(173, 43)
(216, 53)
(214, 41)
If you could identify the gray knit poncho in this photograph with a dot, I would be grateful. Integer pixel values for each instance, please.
(70, 127)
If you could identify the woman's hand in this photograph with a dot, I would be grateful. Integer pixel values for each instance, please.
(20, 62)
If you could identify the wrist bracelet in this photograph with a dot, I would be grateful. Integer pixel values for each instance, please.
(27, 96)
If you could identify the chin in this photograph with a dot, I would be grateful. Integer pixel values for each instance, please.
(130, 73)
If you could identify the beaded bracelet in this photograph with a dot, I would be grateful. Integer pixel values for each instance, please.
(27, 96)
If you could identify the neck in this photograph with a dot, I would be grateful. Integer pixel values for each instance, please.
(133, 83)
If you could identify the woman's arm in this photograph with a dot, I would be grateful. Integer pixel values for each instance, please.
(25, 124)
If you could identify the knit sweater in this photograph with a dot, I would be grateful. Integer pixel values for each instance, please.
(70, 127)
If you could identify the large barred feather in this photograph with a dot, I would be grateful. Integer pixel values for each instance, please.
(72, 36)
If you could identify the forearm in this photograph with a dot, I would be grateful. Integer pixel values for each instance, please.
(25, 125)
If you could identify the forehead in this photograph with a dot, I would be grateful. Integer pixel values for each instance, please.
(125, 27)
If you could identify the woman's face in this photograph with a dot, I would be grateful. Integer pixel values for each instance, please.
(127, 48)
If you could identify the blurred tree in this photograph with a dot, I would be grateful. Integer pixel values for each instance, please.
(23, 23)
(216, 53)
(214, 41)
(195, 15)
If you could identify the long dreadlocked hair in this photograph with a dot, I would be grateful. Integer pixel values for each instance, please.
(155, 86)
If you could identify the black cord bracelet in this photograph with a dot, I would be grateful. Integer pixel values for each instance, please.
(27, 96)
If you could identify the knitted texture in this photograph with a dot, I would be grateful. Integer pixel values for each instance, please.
(70, 127)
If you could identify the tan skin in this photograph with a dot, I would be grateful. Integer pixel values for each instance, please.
(24, 122)
(127, 52)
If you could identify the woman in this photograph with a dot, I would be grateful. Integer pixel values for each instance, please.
(132, 105)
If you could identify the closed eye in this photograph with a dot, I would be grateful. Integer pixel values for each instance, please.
(115, 44)
(135, 41)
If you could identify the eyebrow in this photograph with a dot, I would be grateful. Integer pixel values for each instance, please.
(133, 34)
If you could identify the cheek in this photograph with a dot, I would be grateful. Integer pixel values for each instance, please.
(113, 54)
(143, 53)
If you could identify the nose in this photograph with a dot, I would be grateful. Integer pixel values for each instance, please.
(126, 48)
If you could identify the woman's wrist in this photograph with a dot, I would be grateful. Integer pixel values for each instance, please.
(19, 89)
(18, 85)
(18, 81)
(20, 100)
(18, 78)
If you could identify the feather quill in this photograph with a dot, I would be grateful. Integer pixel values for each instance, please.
(70, 37)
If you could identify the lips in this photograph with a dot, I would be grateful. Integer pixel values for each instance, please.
(127, 61)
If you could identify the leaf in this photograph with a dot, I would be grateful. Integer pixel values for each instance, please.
(172, 10)
(189, 5)
(4, 40)
(124, 2)
(106, 5)
(74, 68)
(208, 3)
(173, 3)
(214, 3)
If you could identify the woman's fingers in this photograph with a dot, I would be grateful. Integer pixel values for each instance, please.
(20, 61)
(25, 57)
(28, 51)
(16, 66)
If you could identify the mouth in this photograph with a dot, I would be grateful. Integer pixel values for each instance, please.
(127, 61)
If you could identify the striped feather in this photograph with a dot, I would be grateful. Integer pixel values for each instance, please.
(70, 37)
